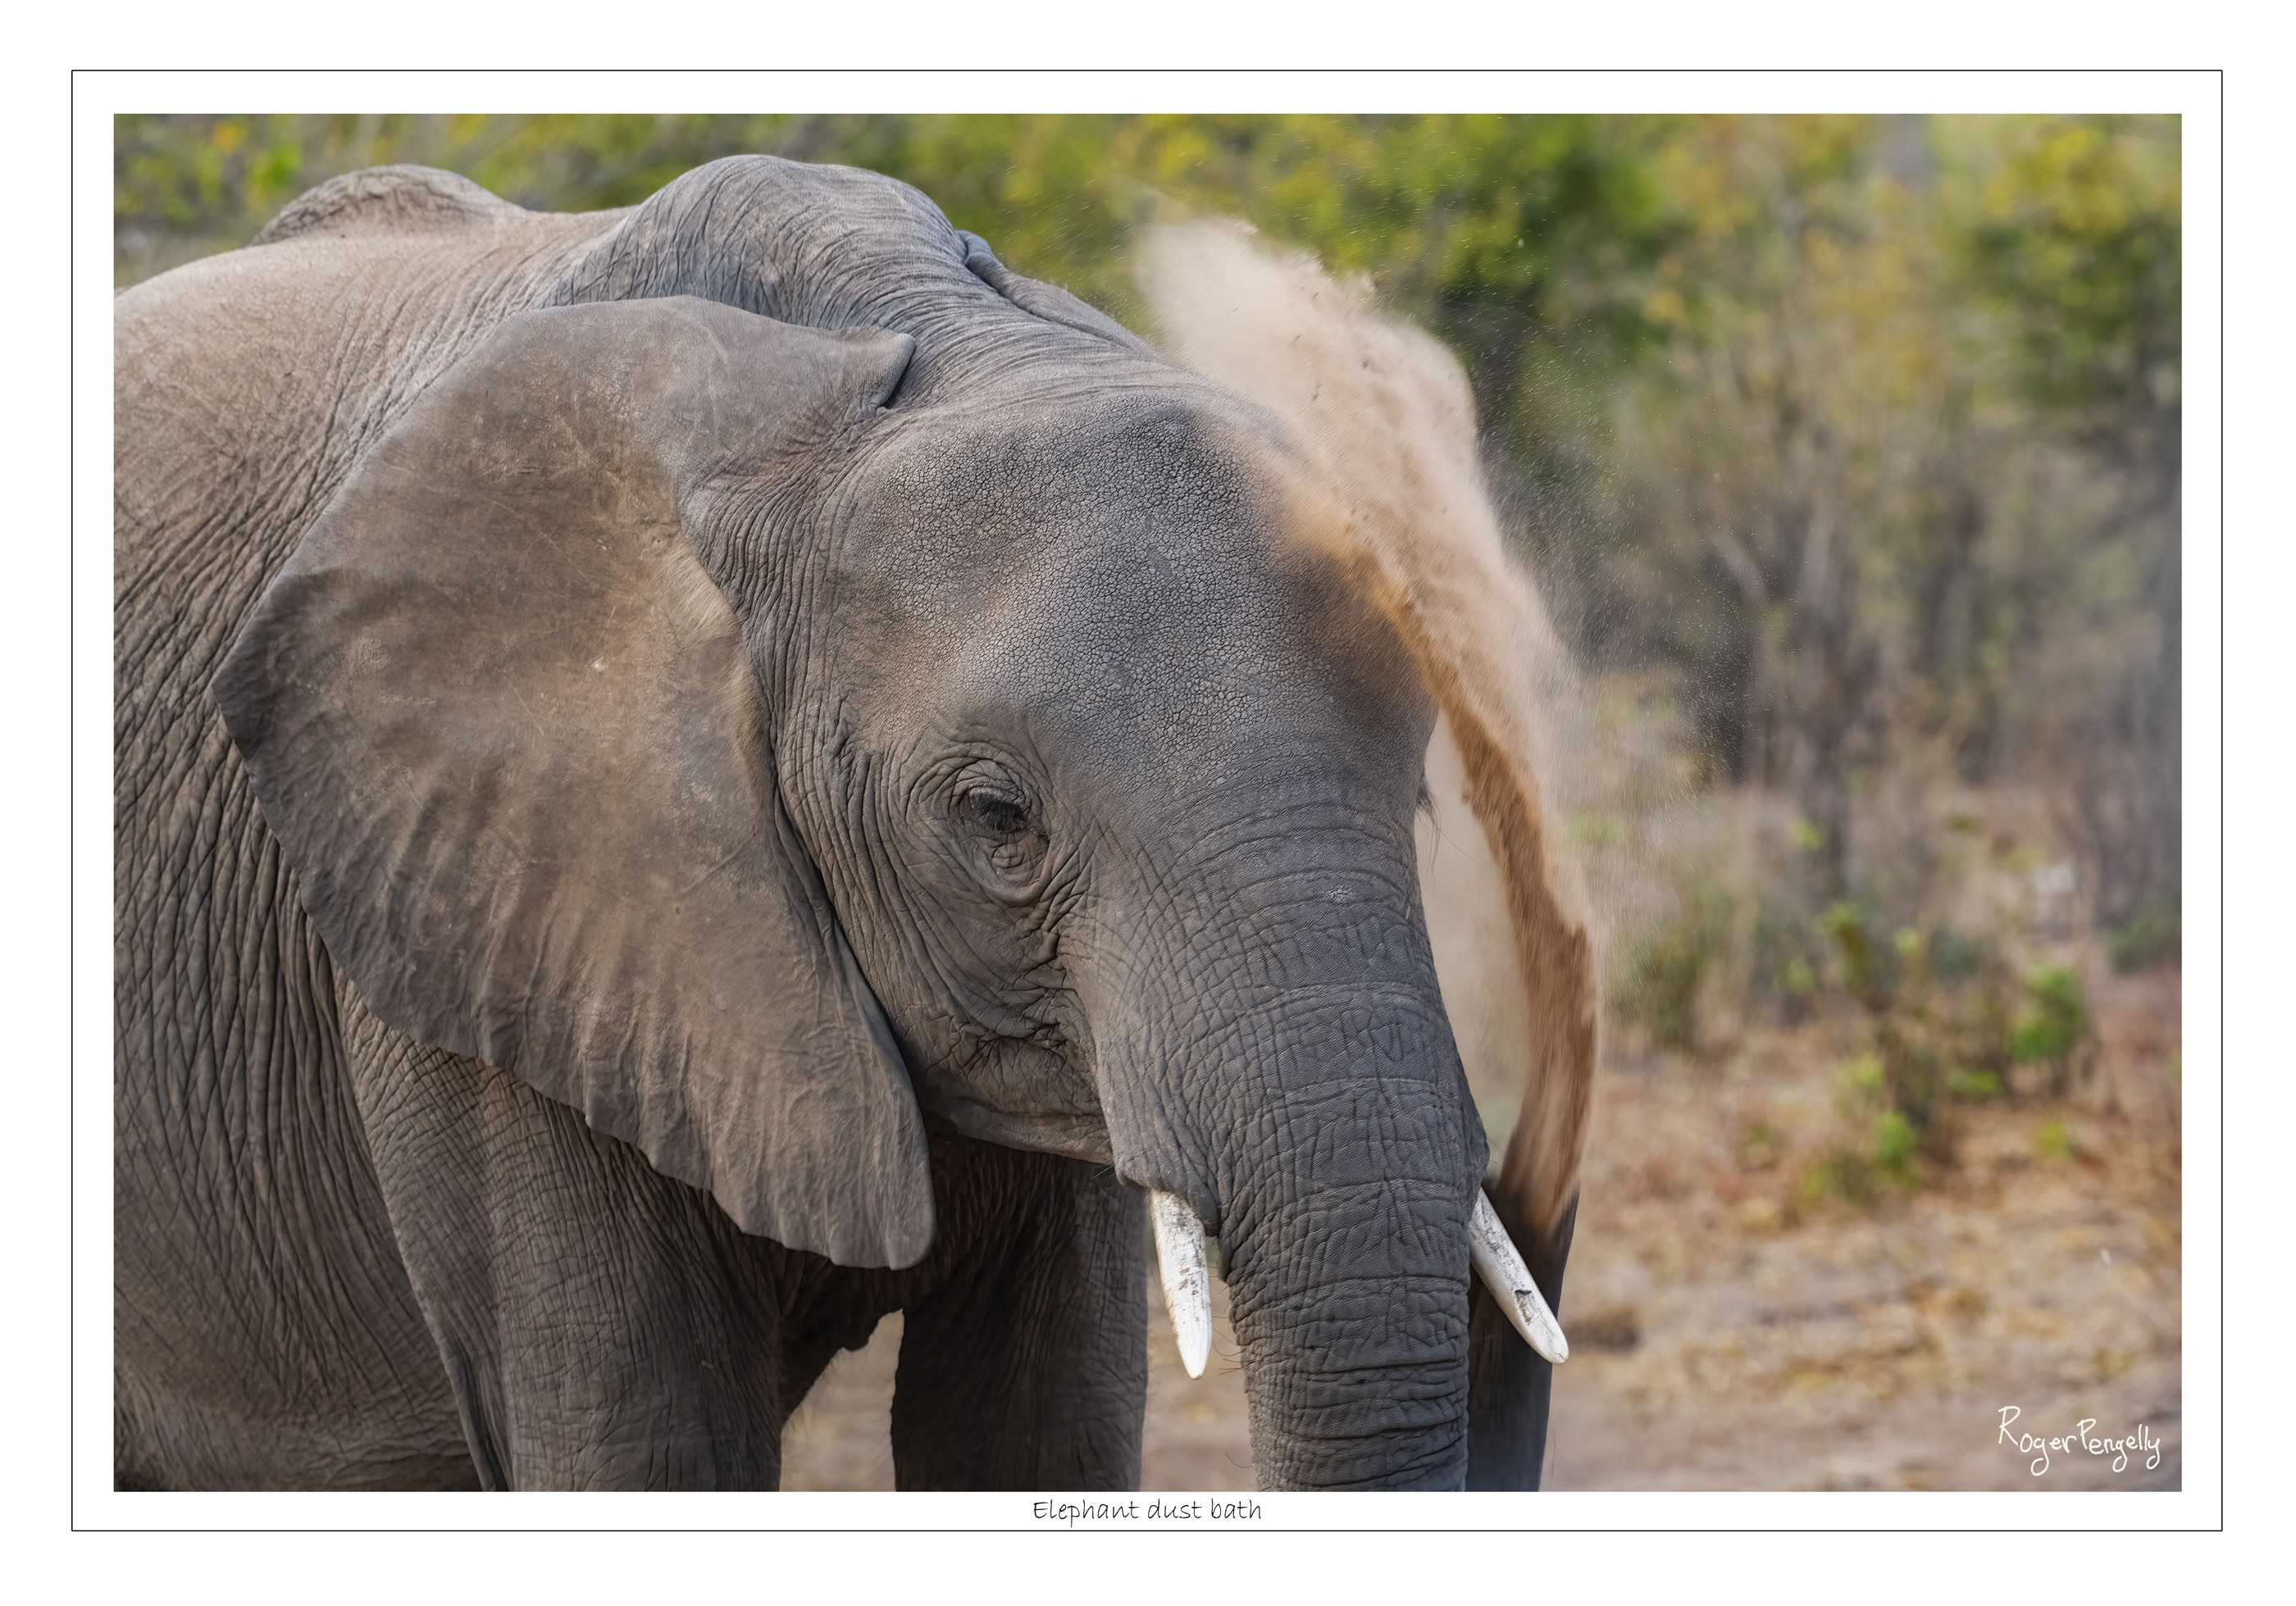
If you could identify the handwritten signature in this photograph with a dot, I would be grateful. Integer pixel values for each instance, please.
(2082, 1439)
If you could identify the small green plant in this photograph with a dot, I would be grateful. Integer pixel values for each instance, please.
(1954, 957)
(1657, 986)
(1863, 1085)
(2054, 1026)
(1858, 1177)
(1598, 831)
(1844, 1175)
(1759, 1145)
(1871, 969)
(1657, 977)
(2052, 1141)
(1787, 958)
(2154, 936)
(1895, 1143)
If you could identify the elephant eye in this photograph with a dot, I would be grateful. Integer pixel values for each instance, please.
(1003, 830)
(990, 810)
(1000, 815)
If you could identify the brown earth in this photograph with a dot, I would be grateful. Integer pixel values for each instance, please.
(1737, 1327)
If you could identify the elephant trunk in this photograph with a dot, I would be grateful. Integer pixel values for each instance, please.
(1346, 1203)
(1280, 1066)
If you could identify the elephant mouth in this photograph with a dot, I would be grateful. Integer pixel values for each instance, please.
(1044, 1123)
(1185, 1272)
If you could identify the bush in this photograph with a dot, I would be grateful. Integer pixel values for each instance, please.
(2054, 1025)
(1954, 957)
(2155, 936)
(1895, 1142)
(2052, 1141)
(1657, 987)
(1657, 978)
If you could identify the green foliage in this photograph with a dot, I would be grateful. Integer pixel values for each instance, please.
(2076, 235)
(2053, 1027)
(1973, 1083)
(1657, 977)
(1895, 1143)
(2055, 1020)
(1788, 957)
(1760, 1146)
(1845, 1175)
(2053, 1142)
(1509, 231)
(2155, 936)
(1955, 957)
(1892, 1153)
(1870, 970)
(1858, 1177)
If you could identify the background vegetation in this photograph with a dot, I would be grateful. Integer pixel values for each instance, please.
(1846, 451)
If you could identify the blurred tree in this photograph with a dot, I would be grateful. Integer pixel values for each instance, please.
(2072, 229)
(1864, 430)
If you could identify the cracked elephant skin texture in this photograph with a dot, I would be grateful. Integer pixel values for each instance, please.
(692, 776)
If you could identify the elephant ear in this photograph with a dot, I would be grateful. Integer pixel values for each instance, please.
(1049, 302)
(500, 717)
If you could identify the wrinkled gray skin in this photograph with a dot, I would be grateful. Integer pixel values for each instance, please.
(691, 777)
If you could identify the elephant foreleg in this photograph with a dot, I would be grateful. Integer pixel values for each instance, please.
(1025, 1365)
(601, 1325)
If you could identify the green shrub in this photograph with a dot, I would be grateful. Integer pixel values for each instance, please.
(1871, 969)
(1954, 957)
(2052, 1026)
(1655, 985)
(1844, 1175)
(1895, 1142)
(2054, 1022)
(2155, 936)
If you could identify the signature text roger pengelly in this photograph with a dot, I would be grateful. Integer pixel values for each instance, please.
(1070, 1513)
(2141, 1442)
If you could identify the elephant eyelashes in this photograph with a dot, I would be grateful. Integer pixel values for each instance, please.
(999, 816)
(1001, 826)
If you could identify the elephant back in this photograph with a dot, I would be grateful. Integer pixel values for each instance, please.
(839, 248)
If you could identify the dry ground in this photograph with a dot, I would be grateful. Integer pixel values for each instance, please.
(1732, 1331)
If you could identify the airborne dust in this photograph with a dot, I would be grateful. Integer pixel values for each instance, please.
(1386, 418)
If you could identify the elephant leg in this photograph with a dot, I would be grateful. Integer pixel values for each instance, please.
(1025, 1365)
(601, 1326)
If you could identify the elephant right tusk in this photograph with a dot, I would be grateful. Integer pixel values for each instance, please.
(1499, 1264)
(1186, 1274)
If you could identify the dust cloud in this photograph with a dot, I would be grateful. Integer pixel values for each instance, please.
(1386, 420)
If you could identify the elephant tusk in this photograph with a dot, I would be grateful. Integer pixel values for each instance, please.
(1186, 1275)
(1500, 1266)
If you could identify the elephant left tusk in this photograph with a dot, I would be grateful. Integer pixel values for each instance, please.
(1186, 1275)
(1499, 1265)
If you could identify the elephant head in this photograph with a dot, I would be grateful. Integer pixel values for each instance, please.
(809, 677)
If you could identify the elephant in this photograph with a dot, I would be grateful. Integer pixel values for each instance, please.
(692, 776)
